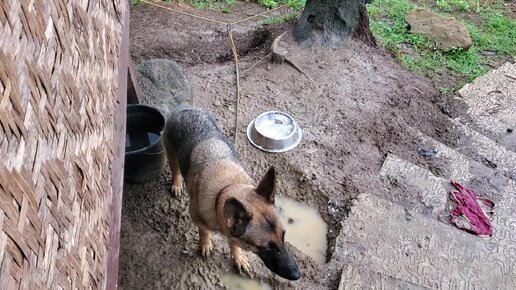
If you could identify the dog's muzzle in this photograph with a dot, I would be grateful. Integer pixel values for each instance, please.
(281, 262)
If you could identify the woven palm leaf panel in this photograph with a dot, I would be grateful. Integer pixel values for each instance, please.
(58, 97)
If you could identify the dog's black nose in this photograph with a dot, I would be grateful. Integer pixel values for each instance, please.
(294, 274)
(280, 262)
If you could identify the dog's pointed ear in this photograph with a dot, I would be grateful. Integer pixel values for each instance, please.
(267, 186)
(237, 217)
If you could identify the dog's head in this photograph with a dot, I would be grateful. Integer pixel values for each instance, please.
(252, 222)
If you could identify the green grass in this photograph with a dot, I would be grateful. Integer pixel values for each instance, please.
(136, 2)
(279, 19)
(222, 5)
(449, 5)
(445, 91)
(494, 32)
(295, 4)
(225, 5)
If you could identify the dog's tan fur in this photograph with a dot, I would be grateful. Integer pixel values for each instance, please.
(223, 199)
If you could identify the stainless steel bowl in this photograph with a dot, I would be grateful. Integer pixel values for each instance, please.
(274, 132)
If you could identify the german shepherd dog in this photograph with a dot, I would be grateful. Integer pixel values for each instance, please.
(222, 197)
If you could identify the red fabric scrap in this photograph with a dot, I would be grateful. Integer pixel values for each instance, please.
(468, 213)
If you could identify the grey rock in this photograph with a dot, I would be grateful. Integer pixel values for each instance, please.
(447, 32)
(162, 84)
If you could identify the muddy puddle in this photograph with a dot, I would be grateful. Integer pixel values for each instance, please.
(234, 281)
(306, 231)
(305, 228)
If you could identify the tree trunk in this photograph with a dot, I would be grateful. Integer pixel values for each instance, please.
(332, 22)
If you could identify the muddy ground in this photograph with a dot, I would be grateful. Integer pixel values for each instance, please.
(361, 106)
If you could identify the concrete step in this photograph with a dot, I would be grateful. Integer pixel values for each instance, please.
(401, 238)
(463, 168)
(424, 193)
(380, 237)
(415, 188)
(479, 146)
(356, 277)
(492, 104)
(484, 180)
(490, 127)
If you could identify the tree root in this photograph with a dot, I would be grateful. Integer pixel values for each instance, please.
(280, 55)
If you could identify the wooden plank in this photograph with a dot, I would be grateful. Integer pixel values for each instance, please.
(118, 162)
(133, 89)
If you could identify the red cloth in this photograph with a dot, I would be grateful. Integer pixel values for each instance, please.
(468, 214)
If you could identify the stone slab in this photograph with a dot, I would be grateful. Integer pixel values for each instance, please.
(492, 103)
(378, 236)
(423, 191)
(356, 277)
(492, 151)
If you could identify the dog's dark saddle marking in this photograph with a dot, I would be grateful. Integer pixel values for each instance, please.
(187, 127)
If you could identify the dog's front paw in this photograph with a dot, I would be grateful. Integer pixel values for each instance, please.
(177, 190)
(242, 263)
(206, 248)
(177, 187)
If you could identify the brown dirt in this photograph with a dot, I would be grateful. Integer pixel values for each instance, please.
(359, 111)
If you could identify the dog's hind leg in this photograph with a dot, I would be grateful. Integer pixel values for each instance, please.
(177, 179)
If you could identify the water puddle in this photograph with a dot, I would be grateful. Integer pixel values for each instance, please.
(236, 282)
(305, 228)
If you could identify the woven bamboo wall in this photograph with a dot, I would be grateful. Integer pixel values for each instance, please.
(58, 95)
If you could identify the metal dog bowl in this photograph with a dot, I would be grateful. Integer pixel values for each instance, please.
(274, 132)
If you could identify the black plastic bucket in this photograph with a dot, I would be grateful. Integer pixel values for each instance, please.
(145, 156)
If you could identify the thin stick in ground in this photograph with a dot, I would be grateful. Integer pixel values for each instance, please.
(256, 63)
(235, 59)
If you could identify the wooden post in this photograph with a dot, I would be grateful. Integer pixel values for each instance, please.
(117, 175)
(133, 90)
